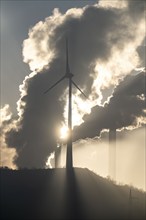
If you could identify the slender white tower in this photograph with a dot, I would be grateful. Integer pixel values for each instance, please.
(112, 153)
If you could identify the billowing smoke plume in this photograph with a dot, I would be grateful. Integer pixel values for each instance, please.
(6, 123)
(103, 42)
(124, 109)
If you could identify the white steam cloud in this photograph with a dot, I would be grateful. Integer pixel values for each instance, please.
(6, 123)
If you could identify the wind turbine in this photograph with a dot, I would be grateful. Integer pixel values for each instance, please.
(68, 75)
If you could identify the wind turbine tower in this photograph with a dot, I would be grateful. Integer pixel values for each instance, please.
(68, 75)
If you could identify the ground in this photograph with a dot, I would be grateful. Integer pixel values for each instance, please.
(67, 194)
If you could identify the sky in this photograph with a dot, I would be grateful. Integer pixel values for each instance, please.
(107, 57)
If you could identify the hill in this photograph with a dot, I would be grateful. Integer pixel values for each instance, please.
(57, 194)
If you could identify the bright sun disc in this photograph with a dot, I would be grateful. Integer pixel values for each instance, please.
(64, 132)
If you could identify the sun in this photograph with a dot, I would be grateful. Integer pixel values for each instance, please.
(64, 132)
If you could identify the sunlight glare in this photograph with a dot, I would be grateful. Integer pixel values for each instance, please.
(64, 132)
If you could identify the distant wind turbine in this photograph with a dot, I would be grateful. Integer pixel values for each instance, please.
(68, 75)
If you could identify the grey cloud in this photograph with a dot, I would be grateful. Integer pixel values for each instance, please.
(125, 106)
(7, 121)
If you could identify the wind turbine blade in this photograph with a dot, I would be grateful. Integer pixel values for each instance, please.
(54, 84)
(79, 89)
(67, 61)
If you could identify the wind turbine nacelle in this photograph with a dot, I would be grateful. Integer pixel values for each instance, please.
(69, 75)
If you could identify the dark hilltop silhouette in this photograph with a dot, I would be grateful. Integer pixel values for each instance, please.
(67, 194)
